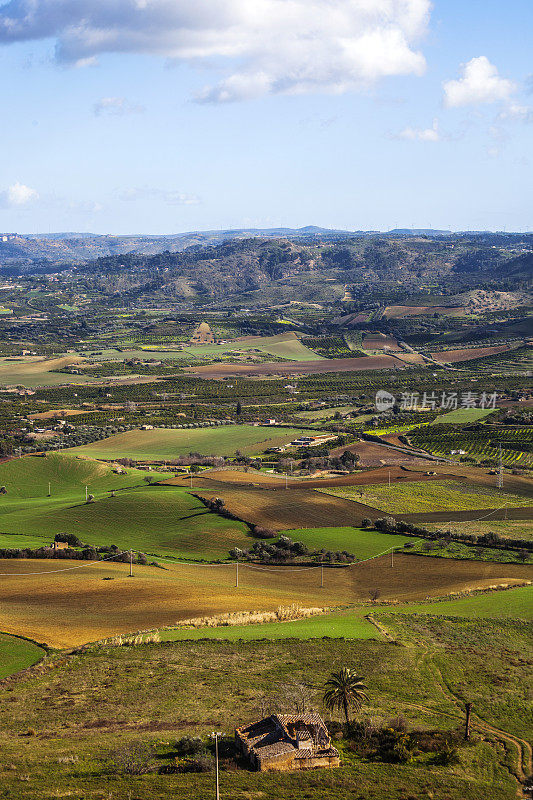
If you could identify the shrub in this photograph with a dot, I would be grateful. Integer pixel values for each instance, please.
(446, 756)
(189, 746)
(264, 533)
(135, 759)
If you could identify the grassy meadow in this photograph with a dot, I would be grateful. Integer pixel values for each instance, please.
(362, 543)
(166, 443)
(353, 623)
(17, 654)
(461, 416)
(422, 496)
(283, 345)
(123, 701)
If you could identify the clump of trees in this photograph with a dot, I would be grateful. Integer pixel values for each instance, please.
(285, 551)
(494, 540)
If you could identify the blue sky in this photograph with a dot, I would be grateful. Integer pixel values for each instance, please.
(159, 116)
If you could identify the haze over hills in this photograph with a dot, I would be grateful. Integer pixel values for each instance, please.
(80, 247)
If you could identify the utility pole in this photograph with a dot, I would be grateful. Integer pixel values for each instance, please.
(392, 558)
(389, 478)
(500, 470)
(217, 789)
(237, 574)
(131, 564)
(86, 494)
(468, 709)
(322, 576)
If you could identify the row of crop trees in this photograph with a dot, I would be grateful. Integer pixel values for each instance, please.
(493, 540)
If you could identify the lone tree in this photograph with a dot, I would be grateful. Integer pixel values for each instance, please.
(345, 689)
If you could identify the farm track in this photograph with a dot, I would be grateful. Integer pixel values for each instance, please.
(479, 515)
(522, 748)
(373, 476)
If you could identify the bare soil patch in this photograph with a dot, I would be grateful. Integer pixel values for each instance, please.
(298, 368)
(380, 341)
(399, 312)
(469, 353)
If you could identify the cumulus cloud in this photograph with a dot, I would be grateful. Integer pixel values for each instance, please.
(115, 107)
(171, 198)
(17, 195)
(422, 134)
(480, 83)
(270, 46)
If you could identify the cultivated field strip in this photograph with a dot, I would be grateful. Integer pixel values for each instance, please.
(99, 601)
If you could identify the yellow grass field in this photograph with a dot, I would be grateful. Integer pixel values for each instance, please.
(90, 603)
(37, 371)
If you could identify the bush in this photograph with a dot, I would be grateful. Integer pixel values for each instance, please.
(135, 759)
(68, 538)
(264, 533)
(189, 746)
(446, 756)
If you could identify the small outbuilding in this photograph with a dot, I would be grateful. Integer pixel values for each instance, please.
(285, 742)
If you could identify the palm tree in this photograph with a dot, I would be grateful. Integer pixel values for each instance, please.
(345, 689)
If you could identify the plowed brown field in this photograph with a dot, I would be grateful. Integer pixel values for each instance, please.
(399, 312)
(469, 353)
(298, 368)
(91, 603)
(376, 341)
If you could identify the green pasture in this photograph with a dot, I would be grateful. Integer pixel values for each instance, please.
(506, 605)
(427, 496)
(172, 689)
(284, 345)
(335, 626)
(30, 477)
(462, 416)
(363, 544)
(164, 443)
(157, 520)
(17, 654)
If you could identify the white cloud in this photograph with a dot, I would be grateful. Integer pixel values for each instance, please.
(171, 198)
(515, 111)
(422, 134)
(17, 195)
(480, 83)
(270, 46)
(115, 107)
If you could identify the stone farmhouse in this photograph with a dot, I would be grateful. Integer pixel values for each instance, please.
(285, 742)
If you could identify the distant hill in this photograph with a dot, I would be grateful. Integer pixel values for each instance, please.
(80, 247)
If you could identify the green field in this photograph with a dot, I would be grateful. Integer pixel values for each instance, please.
(163, 520)
(157, 519)
(17, 654)
(29, 477)
(427, 496)
(342, 626)
(462, 416)
(122, 698)
(284, 345)
(165, 443)
(363, 544)
(353, 624)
